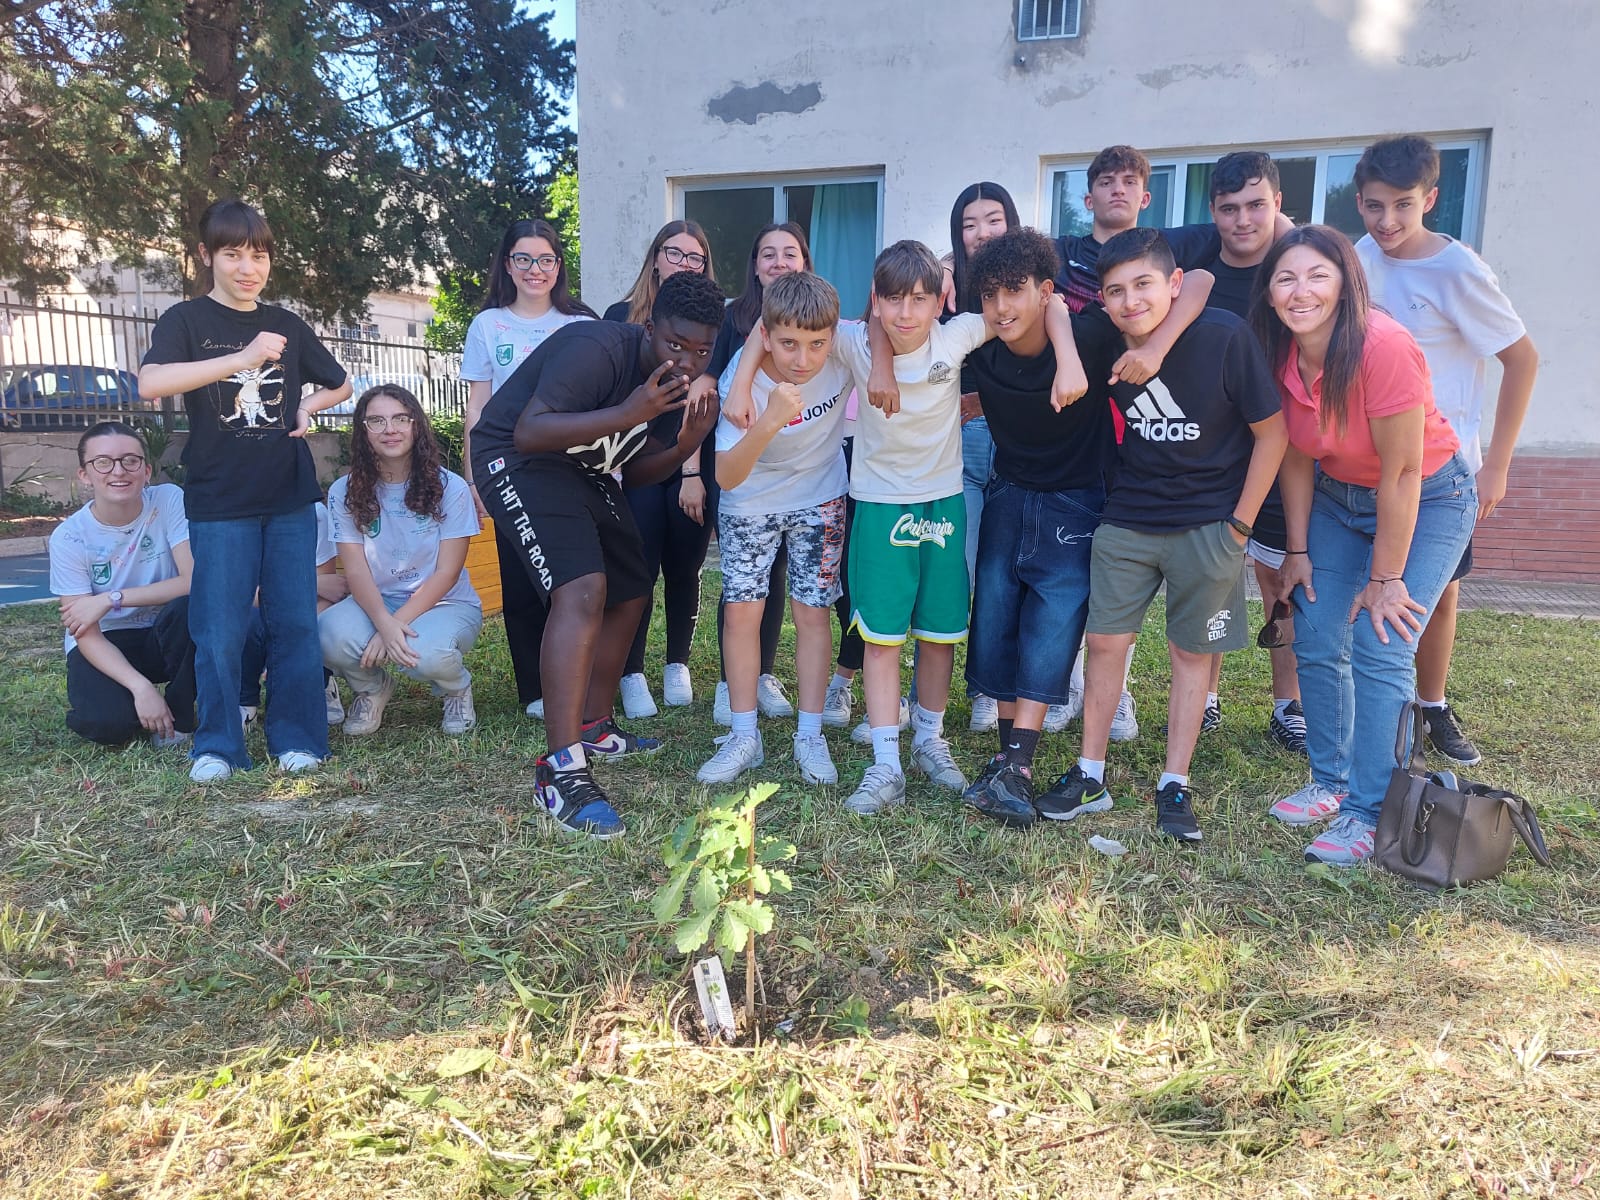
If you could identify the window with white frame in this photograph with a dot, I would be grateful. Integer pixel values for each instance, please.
(1043, 20)
(841, 214)
(1318, 184)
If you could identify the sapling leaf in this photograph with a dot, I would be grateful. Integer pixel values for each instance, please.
(692, 934)
(772, 850)
(780, 882)
(718, 840)
(669, 897)
(757, 917)
(733, 933)
(708, 890)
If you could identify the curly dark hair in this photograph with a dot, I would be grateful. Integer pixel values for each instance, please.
(690, 297)
(1012, 258)
(424, 489)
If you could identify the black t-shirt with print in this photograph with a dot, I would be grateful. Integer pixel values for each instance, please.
(240, 460)
(1034, 446)
(1079, 280)
(1232, 293)
(1187, 444)
(582, 367)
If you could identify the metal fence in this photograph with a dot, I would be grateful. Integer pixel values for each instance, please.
(68, 363)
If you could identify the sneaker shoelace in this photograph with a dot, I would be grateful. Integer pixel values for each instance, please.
(455, 708)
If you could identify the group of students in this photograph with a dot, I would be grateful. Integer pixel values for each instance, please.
(1039, 433)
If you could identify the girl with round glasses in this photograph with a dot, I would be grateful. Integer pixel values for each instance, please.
(528, 299)
(402, 523)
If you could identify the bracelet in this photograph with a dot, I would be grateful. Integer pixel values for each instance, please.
(690, 474)
(1385, 579)
(1297, 552)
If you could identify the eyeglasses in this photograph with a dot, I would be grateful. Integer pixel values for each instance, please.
(1271, 635)
(684, 258)
(527, 262)
(379, 424)
(102, 464)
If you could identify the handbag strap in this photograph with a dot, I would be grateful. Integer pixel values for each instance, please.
(1411, 723)
(1413, 831)
(1526, 822)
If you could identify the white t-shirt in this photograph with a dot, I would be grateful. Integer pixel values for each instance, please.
(914, 455)
(803, 465)
(402, 548)
(326, 549)
(91, 559)
(1452, 304)
(498, 340)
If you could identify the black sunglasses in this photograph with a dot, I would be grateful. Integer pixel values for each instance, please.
(1271, 635)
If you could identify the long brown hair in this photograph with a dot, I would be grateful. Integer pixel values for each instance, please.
(746, 310)
(502, 289)
(641, 296)
(1341, 366)
(424, 487)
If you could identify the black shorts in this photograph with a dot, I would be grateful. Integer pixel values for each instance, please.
(566, 523)
(1464, 567)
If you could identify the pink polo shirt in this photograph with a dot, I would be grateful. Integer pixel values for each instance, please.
(1394, 378)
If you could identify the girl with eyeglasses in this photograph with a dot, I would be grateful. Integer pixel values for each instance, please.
(402, 523)
(528, 299)
(676, 516)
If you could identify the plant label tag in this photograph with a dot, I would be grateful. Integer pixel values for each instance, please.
(715, 1007)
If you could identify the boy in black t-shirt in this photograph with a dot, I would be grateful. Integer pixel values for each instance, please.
(579, 408)
(1246, 204)
(1203, 442)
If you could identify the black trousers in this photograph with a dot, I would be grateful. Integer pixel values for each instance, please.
(102, 710)
(675, 548)
(525, 612)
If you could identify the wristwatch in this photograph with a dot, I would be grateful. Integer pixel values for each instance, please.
(1245, 530)
(116, 601)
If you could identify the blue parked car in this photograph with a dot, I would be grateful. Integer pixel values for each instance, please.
(67, 396)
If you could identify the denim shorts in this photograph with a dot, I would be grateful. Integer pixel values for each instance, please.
(1032, 590)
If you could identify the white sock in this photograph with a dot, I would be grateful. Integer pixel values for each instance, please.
(1211, 700)
(1439, 703)
(810, 724)
(1168, 777)
(886, 746)
(841, 680)
(745, 723)
(1279, 705)
(1094, 768)
(925, 724)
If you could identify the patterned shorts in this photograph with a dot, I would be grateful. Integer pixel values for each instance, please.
(814, 536)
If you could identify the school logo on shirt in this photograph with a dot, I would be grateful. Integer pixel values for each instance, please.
(939, 373)
(912, 531)
(502, 354)
(100, 572)
(1217, 626)
(1155, 415)
(372, 529)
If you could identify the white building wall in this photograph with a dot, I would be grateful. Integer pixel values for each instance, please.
(939, 93)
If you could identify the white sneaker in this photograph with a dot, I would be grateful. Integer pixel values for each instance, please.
(209, 768)
(1125, 725)
(1057, 717)
(862, 733)
(333, 700)
(247, 714)
(637, 703)
(721, 709)
(836, 707)
(169, 741)
(366, 711)
(812, 757)
(535, 710)
(770, 698)
(985, 714)
(736, 754)
(296, 761)
(881, 787)
(677, 689)
(933, 759)
(459, 714)
(1074, 702)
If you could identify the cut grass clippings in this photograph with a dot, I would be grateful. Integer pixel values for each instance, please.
(393, 978)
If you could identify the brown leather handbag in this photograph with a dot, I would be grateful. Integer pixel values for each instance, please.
(1441, 831)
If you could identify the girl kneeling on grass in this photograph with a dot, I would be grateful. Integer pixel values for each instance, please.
(402, 523)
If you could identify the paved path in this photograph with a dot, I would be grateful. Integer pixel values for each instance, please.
(26, 577)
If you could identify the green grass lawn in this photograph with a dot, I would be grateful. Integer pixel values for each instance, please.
(261, 989)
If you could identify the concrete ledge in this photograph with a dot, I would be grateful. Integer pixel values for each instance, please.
(22, 546)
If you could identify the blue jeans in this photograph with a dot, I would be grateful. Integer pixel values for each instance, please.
(1353, 686)
(232, 559)
(977, 464)
(1032, 591)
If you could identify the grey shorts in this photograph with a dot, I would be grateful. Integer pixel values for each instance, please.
(1203, 569)
(815, 540)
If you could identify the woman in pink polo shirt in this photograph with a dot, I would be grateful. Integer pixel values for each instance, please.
(1380, 506)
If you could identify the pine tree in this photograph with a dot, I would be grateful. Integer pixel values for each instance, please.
(387, 142)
